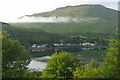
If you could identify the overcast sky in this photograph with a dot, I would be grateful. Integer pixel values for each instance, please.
(13, 9)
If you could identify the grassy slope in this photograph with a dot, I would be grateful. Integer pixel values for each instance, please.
(82, 11)
(106, 24)
(99, 27)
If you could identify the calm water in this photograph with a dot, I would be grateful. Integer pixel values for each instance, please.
(37, 65)
(40, 58)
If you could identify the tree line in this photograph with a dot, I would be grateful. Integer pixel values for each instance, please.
(28, 37)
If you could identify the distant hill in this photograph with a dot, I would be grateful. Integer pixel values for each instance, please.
(81, 19)
(31, 36)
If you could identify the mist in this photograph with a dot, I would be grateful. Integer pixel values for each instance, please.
(56, 19)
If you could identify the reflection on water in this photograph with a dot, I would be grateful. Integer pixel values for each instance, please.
(40, 58)
(37, 65)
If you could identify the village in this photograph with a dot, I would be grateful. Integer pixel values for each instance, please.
(61, 44)
(57, 46)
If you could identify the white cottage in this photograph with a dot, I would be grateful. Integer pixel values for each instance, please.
(34, 45)
(56, 44)
(61, 43)
(87, 44)
(68, 44)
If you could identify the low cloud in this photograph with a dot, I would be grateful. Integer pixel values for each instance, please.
(56, 19)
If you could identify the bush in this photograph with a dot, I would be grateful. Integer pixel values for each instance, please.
(61, 65)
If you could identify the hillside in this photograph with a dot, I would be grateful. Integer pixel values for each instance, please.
(31, 36)
(73, 28)
(81, 11)
(93, 19)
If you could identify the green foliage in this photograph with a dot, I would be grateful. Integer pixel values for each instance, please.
(88, 54)
(111, 67)
(61, 65)
(27, 37)
(33, 74)
(14, 58)
(89, 72)
(93, 64)
(98, 28)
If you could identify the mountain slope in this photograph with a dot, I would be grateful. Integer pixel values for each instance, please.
(72, 27)
(81, 11)
(94, 19)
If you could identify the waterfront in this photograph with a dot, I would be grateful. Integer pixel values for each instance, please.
(40, 58)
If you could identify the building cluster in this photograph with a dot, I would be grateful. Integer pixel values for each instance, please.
(39, 46)
(61, 44)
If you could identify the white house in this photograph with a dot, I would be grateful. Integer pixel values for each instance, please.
(42, 46)
(74, 44)
(92, 48)
(56, 44)
(92, 44)
(34, 45)
(80, 44)
(61, 43)
(87, 44)
(38, 46)
(68, 44)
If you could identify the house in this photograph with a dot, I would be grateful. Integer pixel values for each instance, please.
(56, 44)
(34, 45)
(80, 44)
(38, 46)
(42, 46)
(87, 44)
(92, 44)
(61, 43)
(74, 44)
(68, 44)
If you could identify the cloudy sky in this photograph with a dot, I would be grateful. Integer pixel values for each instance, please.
(13, 9)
